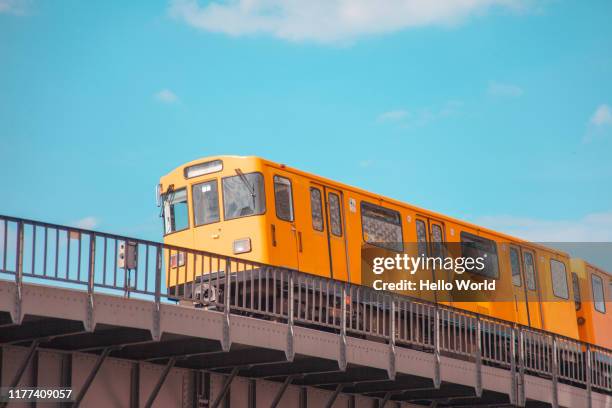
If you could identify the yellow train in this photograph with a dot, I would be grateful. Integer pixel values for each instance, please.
(262, 211)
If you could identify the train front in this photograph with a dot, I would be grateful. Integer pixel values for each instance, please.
(212, 206)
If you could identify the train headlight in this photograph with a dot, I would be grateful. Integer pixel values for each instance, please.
(242, 245)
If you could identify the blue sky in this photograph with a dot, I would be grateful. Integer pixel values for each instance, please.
(495, 111)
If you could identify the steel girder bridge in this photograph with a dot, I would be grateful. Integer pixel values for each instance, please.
(75, 314)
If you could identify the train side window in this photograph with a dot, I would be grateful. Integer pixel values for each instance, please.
(576, 288)
(529, 270)
(515, 266)
(437, 240)
(176, 216)
(421, 231)
(558, 277)
(610, 291)
(598, 293)
(473, 246)
(316, 209)
(283, 198)
(335, 218)
(205, 198)
(381, 227)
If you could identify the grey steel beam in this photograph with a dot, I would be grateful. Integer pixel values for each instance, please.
(332, 398)
(225, 389)
(22, 367)
(383, 402)
(252, 393)
(303, 397)
(160, 383)
(135, 385)
(281, 391)
(66, 376)
(34, 374)
(91, 377)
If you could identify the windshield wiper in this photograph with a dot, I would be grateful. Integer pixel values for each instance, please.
(245, 181)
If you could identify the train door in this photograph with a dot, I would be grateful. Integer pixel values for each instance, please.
(283, 230)
(431, 240)
(312, 230)
(333, 208)
(532, 289)
(519, 292)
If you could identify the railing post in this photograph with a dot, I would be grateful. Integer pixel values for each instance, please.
(89, 325)
(437, 379)
(555, 369)
(392, 330)
(342, 356)
(513, 386)
(521, 370)
(227, 295)
(588, 379)
(478, 358)
(289, 352)
(17, 317)
(157, 307)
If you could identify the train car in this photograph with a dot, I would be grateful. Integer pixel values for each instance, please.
(593, 301)
(270, 213)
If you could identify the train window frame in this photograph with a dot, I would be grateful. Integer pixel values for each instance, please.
(602, 300)
(263, 188)
(383, 210)
(331, 223)
(419, 242)
(576, 290)
(465, 234)
(173, 192)
(193, 203)
(532, 255)
(518, 259)
(552, 279)
(276, 201)
(320, 209)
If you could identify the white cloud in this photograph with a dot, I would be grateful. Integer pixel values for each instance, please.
(17, 7)
(602, 116)
(595, 227)
(327, 20)
(87, 223)
(366, 163)
(500, 89)
(420, 117)
(166, 96)
(393, 115)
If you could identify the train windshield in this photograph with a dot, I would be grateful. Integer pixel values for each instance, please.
(243, 195)
(176, 217)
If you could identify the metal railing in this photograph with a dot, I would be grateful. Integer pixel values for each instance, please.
(41, 252)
